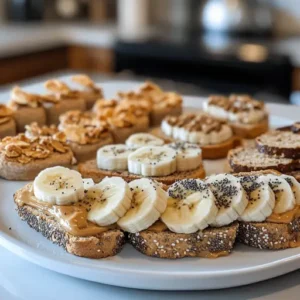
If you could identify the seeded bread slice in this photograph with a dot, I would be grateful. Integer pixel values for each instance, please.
(209, 151)
(266, 235)
(89, 169)
(250, 159)
(102, 245)
(250, 131)
(211, 242)
(279, 143)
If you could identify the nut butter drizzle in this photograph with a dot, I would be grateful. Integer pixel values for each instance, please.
(73, 218)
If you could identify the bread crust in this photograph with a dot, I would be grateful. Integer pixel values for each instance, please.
(250, 131)
(102, 245)
(8, 129)
(167, 244)
(89, 169)
(238, 164)
(266, 235)
(208, 152)
(13, 170)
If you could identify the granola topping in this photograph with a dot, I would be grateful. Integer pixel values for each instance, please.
(5, 114)
(24, 149)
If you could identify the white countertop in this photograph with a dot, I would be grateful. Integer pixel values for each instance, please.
(28, 37)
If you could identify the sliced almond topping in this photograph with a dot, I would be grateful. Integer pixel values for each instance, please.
(12, 150)
(87, 82)
(23, 159)
(57, 86)
(58, 146)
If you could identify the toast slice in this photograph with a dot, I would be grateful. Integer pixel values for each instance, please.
(279, 143)
(209, 151)
(89, 169)
(209, 243)
(250, 159)
(101, 245)
(250, 131)
(272, 236)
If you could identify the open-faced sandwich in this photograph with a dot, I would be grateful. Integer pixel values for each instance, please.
(215, 137)
(7, 122)
(144, 155)
(247, 116)
(22, 158)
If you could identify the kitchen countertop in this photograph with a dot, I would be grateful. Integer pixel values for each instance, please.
(16, 39)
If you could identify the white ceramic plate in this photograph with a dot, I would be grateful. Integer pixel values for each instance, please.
(132, 269)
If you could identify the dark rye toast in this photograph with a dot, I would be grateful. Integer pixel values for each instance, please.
(279, 143)
(101, 245)
(89, 169)
(162, 243)
(250, 159)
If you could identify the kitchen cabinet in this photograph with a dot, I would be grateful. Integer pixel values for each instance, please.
(66, 57)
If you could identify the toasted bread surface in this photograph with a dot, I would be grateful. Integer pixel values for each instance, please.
(101, 245)
(89, 169)
(167, 244)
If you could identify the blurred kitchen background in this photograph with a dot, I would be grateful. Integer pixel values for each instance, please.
(196, 47)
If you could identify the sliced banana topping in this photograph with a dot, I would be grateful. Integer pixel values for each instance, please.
(189, 156)
(113, 157)
(284, 196)
(231, 198)
(295, 186)
(138, 140)
(261, 199)
(111, 199)
(149, 201)
(58, 185)
(152, 161)
(88, 183)
(191, 206)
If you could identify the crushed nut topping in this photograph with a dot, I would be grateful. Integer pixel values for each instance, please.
(5, 114)
(83, 127)
(87, 83)
(26, 149)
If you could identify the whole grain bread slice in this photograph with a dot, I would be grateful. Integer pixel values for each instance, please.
(250, 159)
(211, 242)
(101, 245)
(208, 151)
(267, 235)
(279, 143)
(89, 169)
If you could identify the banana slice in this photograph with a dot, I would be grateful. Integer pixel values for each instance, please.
(88, 183)
(191, 206)
(138, 140)
(261, 199)
(152, 161)
(149, 201)
(167, 128)
(189, 156)
(113, 157)
(231, 198)
(112, 199)
(58, 185)
(284, 196)
(295, 186)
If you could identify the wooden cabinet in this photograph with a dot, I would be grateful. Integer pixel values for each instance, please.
(69, 57)
(296, 80)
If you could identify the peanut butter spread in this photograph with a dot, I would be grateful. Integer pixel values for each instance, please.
(236, 103)
(23, 150)
(286, 217)
(72, 218)
(192, 122)
(5, 114)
